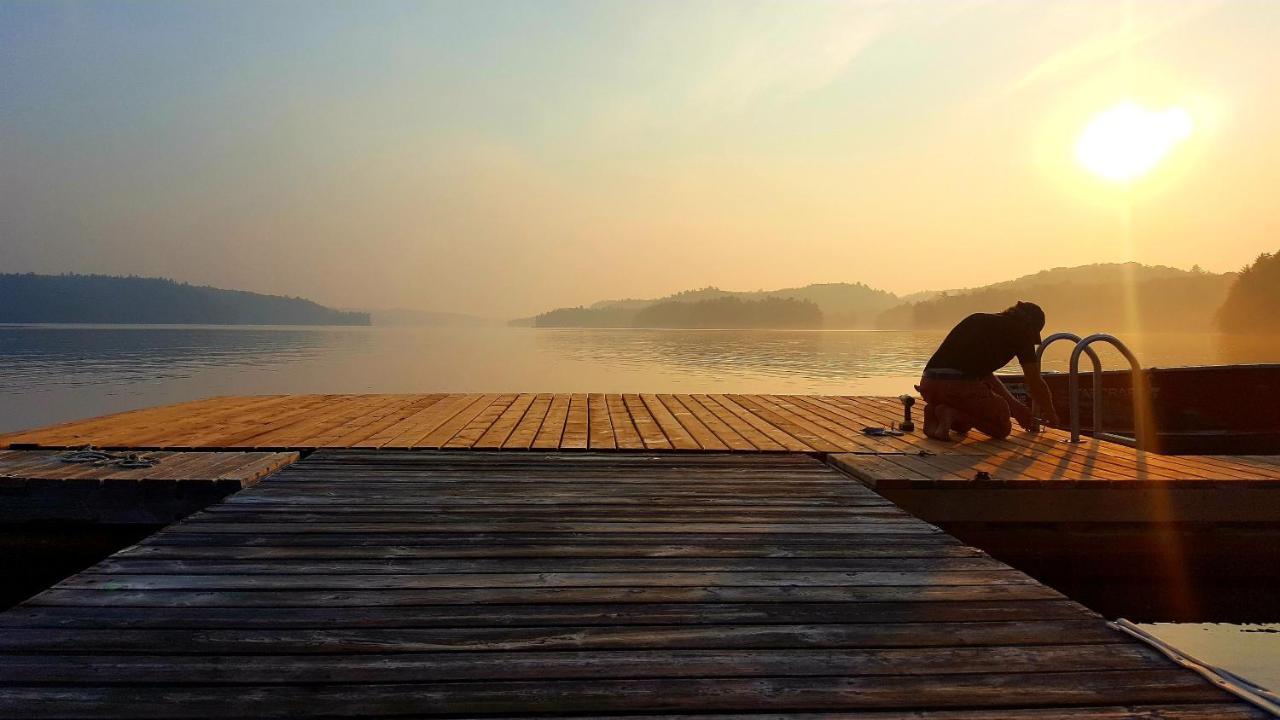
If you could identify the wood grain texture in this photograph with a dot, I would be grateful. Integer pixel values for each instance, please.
(18, 467)
(631, 422)
(473, 583)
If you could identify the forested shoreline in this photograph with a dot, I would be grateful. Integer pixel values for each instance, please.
(32, 298)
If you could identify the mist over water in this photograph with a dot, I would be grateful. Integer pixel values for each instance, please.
(56, 373)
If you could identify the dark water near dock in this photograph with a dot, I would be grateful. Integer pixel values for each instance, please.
(50, 374)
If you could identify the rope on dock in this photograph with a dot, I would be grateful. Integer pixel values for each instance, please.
(89, 455)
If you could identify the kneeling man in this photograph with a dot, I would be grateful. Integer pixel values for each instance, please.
(959, 385)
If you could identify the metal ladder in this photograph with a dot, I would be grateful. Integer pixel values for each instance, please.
(1073, 386)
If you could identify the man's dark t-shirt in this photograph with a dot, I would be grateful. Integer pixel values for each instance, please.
(983, 343)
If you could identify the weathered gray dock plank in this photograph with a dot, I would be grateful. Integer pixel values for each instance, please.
(468, 584)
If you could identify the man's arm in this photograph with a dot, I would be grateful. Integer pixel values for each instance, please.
(1039, 390)
(1020, 412)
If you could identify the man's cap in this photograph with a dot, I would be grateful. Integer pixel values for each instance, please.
(1033, 315)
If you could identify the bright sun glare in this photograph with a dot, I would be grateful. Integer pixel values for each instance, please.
(1125, 142)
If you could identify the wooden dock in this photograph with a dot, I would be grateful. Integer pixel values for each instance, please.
(240, 469)
(642, 422)
(37, 486)
(754, 423)
(467, 584)
(1013, 488)
(700, 423)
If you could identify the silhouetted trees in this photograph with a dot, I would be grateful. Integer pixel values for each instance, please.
(586, 317)
(732, 312)
(1116, 297)
(1186, 301)
(31, 298)
(1253, 302)
(841, 305)
(718, 312)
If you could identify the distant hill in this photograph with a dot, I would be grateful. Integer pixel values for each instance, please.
(732, 312)
(840, 305)
(1102, 297)
(1253, 302)
(581, 317)
(1088, 298)
(716, 312)
(1096, 274)
(31, 298)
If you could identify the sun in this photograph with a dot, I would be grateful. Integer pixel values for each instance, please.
(1125, 142)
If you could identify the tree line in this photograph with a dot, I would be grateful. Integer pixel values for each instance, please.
(720, 312)
(72, 298)
(1253, 303)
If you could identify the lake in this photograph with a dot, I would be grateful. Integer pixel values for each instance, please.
(54, 373)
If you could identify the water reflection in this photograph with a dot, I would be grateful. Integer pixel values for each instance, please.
(826, 357)
(54, 373)
(40, 357)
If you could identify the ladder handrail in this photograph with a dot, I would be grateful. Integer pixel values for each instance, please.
(1097, 372)
(1073, 385)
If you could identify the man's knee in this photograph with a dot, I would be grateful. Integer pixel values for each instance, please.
(998, 430)
(996, 422)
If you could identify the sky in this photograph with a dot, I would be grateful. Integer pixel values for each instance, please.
(503, 158)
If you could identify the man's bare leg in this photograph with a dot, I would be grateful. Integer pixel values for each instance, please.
(938, 419)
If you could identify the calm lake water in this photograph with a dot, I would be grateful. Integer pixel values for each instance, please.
(50, 374)
(59, 372)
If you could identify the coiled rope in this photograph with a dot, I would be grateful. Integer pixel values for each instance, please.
(89, 455)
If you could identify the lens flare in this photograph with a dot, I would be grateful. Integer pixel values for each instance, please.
(1128, 141)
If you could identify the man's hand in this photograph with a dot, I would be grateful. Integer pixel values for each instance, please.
(1041, 398)
(1047, 416)
(1024, 417)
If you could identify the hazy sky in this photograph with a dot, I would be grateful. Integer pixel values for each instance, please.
(505, 157)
